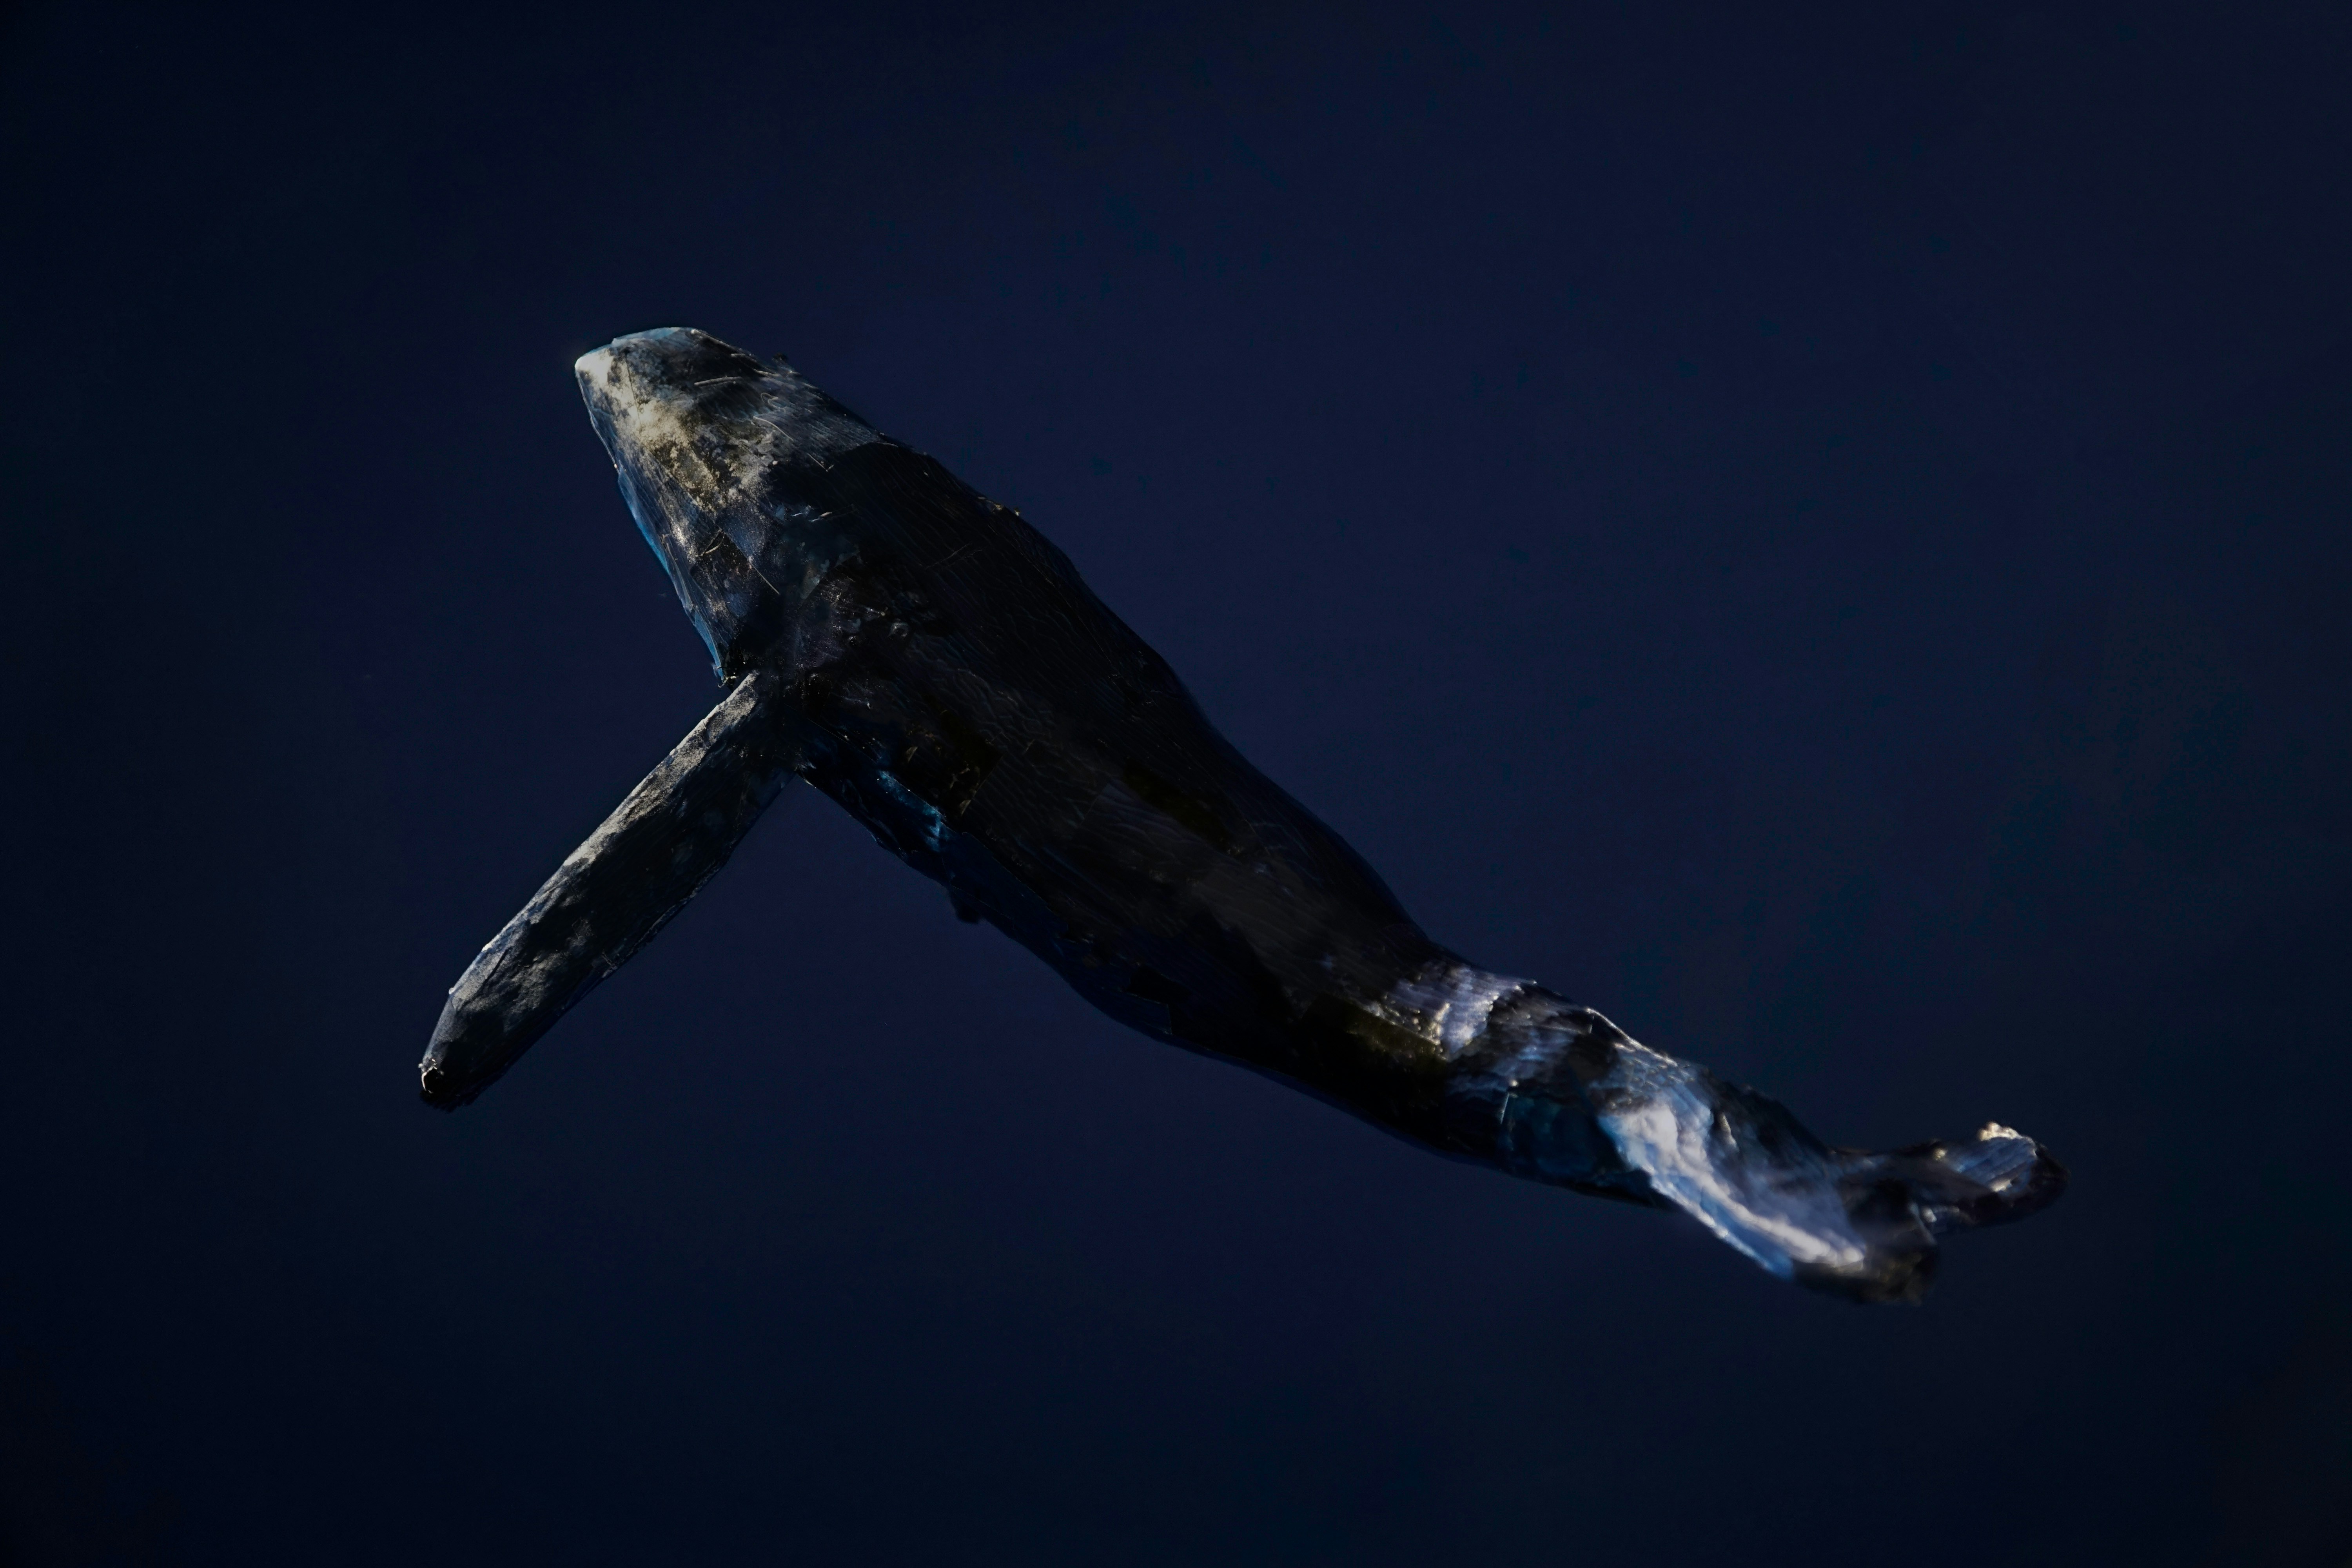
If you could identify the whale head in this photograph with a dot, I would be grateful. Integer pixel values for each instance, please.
(706, 438)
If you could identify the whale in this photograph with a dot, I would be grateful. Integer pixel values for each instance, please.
(921, 655)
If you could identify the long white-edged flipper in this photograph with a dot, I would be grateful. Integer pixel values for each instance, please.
(613, 893)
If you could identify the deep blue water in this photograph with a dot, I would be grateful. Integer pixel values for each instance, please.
(1823, 535)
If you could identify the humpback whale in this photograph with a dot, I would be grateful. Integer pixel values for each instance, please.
(927, 658)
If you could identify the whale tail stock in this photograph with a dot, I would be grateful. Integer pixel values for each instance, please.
(615, 891)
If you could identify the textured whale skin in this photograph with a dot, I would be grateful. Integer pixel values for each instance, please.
(925, 658)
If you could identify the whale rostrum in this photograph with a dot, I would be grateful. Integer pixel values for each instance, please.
(928, 660)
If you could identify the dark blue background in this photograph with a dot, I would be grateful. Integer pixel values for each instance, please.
(1820, 532)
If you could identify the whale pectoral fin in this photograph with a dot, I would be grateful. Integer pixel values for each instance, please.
(613, 893)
